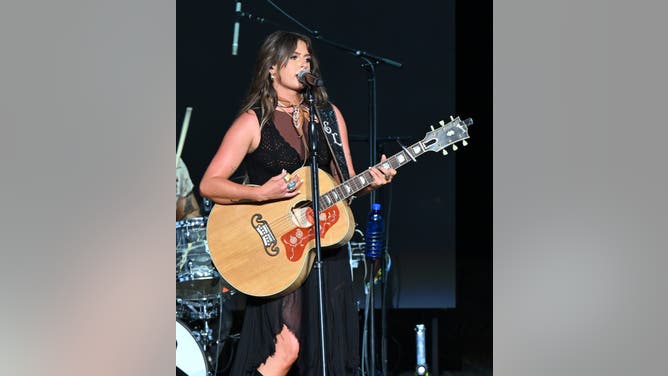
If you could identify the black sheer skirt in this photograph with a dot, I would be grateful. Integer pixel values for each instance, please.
(264, 319)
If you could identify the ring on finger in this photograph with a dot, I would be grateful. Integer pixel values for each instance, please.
(387, 176)
(291, 185)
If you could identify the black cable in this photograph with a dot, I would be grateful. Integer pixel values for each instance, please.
(315, 33)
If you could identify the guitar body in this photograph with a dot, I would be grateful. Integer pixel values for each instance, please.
(267, 249)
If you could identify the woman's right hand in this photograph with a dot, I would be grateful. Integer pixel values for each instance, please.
(281, 186)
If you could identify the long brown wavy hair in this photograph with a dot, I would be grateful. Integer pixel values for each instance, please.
(276, 50)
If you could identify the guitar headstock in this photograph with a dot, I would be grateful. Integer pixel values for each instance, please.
(447, 134)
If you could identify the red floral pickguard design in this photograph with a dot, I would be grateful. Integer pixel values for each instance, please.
(296, 239)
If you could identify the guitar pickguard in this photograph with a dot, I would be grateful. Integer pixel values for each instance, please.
(266, 235)
(295, 240)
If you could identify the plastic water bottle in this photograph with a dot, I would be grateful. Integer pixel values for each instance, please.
(375, 233)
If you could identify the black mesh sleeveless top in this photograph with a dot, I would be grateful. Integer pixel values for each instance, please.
(281, 148)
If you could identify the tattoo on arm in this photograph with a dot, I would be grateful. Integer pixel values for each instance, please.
(191, 205)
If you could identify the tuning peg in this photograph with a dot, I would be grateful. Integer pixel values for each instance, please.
(452, 118)
(441, 122)
(432, 127)
(464, 143)
(445, 152)
(454, 147)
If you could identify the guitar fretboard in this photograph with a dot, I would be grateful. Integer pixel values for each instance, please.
(364, 179)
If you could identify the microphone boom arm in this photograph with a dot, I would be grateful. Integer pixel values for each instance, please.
(354, 51)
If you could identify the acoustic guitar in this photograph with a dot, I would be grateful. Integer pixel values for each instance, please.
(266, 249)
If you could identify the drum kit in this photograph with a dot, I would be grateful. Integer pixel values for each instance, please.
(203, 308)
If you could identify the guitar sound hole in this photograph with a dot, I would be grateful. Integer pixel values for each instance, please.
(302, 204)
(302, 214)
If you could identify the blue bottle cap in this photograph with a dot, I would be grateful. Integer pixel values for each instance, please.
(375, 206)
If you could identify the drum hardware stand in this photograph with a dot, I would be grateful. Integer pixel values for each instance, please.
(204, 337)
(218, 339)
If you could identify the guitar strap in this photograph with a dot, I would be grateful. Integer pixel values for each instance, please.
(330, 128)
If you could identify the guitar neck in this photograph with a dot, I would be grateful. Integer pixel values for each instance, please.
(362, 180)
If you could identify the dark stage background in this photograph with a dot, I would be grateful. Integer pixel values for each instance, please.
(440, 218)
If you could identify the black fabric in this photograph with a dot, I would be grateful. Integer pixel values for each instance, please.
(264, 318)
(275, 153)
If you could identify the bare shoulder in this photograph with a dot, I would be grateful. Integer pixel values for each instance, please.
(339, 116)
(336, 109)
(244, 132)
(247, 121)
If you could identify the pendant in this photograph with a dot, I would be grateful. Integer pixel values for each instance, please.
(295, 116)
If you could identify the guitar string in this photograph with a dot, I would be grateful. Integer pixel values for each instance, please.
(287, 218)
(393, 161)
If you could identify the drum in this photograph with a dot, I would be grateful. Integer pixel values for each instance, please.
(198, 309)
(189, 356)
(196, 276)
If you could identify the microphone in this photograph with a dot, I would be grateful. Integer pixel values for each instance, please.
(309, 79)
(235, 36)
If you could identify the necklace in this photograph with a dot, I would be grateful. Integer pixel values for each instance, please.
(299, 114)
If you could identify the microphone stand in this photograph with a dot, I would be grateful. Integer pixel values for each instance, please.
(315, 197)
(371, 79)
(383, 264)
